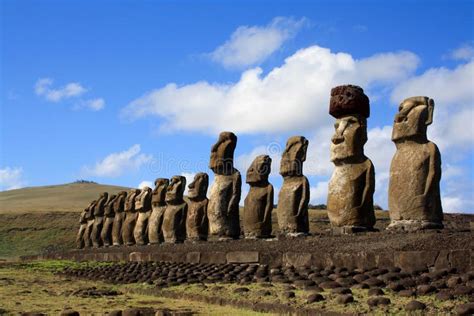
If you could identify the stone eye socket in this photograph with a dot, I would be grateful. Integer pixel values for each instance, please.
(336, 125)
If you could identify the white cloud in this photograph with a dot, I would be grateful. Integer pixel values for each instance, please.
(249, 45)
(119, 163)
(319, 193)
(43, 87)
(143, 184)
(464, 52)
(189, 178)
(293, 97)
(92, 104)
(11, 178)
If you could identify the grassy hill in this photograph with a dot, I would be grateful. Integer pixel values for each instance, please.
(72, 197)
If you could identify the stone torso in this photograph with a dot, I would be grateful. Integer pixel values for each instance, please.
(293, 204)
(174, 223)
(197, 223)
(257, 212)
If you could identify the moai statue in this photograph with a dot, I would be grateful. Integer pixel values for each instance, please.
(197, 223)
(143, 208)
(98, 220)
(293, 198)
(119, 218)
(90, 224)
(413, 195)
(350, 202)
(128, 225)
(109, 215)
(258, 204)
(223, 208)
(82, 229)
(158, 206)
(174, 220)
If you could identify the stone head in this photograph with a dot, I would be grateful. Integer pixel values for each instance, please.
(133, 193)
(122, 193)
(159, 193)
(198, 188)
(350, 135)
(175, 191)
(222, 154)
(413, 117)
(104, 195)
(112, 198)
(259, 170)
(293, 157)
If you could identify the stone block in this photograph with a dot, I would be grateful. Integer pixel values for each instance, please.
(242, 257)
(297, 259)
(213, 257)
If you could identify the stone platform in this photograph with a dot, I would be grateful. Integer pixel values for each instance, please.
(410, 252)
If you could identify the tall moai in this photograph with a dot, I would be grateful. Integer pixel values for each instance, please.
(415, 172)
(143, 208)
(119, 218)
(293, 199)
(98, 220)
(223, 208)
(128, 225)
(350, 202)
(174, 220)
(90, 225)
(109, 215)
(82, 229)
(158, 205)
(197, 223)
(258, 205)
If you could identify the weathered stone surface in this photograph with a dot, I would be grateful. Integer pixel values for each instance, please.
(297, 259)
(158, 205)
(197, 223)
(352, 185)
(174, 220)
(258, 205)
(128, 225)
(143, 208)
(82, 229)
(98, 220)
(213, 257)
(293, 198)
(415, 171)
(411, 261)
(109, 215)
(90, 223)
(119, 209)
(223, 208)
(242, 257)
(193, 257)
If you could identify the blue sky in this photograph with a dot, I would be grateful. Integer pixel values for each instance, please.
(122, 92)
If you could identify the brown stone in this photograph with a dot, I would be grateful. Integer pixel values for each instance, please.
(89, 217)
(352, 185)
(258, 205)
(98, 220)
(293, 198)
(82, 228)
(242, 257)
(109, 215)
(174, 220)
(415, 172)
(130, 218)
(197, 223)
(119, 209)
(158, 206)
(143, 208)
(223, 208)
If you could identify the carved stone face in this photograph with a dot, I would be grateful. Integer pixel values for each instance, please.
(159, 193)
(222, 154)
(123, 193)
(133, 193)
(174, 193)
(259, 169)
(198, 188)
(349, 138)
(293, 157)
(104, 195)
(413, 117)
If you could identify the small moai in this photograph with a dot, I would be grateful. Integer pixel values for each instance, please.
(98, 220)
(258, 205)
(143, 208)
(82, 229)
(223, 208)
(293, 199)
(158, 206)
(128, 225)
(197, 223)
(415, 172)
(350, 203)
(90, 225)
(119, 218)
(109, 215)
(174, 220)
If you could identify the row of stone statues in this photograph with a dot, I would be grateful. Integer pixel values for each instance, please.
(146, 216)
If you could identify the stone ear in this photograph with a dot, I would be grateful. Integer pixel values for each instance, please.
(430, 105)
